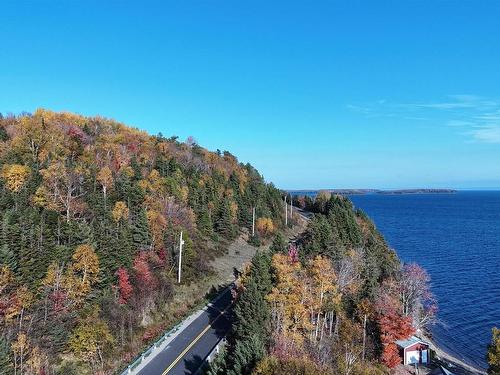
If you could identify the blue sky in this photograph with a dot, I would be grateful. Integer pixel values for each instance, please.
(379, 94)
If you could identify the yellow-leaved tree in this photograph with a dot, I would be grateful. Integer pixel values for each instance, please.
(82, 273)
(15, 176)
(120, 212)
(265, 226)
(21, 301)
(105, 178)
(325, 294)
(90, 339)
(289, 311)
(63, 187)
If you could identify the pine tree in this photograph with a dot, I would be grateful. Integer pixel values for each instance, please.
(218, 365)
(251, 316)
(5, 357)
(10, 239)
(224, 224)
(204, 223)
(62, 176)
(244, 212)
(260, 272)
(279, 244)
(140, 231)
(247, 353)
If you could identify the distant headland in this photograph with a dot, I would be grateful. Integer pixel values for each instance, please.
(374, 191)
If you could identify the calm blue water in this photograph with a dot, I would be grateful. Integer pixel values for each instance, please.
(456, 238)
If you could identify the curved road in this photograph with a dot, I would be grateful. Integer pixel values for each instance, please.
(187, 352)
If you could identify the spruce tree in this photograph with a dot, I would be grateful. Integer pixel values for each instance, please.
(5, 360)
(224, 224)
(204, 223)
(251, 316)
(247, 353)
(279, 244)
(260, 272)
(8, 258)
(140, 231)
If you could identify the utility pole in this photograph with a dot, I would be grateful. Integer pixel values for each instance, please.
(253, 222)
(291, 206)
(181, 242)
(286, 213)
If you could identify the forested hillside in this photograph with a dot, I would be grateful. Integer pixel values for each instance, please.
(90, 216)
(334, 302)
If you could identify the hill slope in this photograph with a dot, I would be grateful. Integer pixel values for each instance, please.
(91, 211)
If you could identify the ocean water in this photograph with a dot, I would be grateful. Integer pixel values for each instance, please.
(456, 238)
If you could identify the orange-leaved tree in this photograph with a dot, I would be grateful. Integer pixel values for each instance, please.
(265, 226)
(392, 323)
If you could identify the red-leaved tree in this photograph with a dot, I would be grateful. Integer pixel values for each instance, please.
(145, 280)
(124, 286)
(390, 355)
(393, 325)
(293, 253)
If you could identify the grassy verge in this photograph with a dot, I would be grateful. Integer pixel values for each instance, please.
(189, 298)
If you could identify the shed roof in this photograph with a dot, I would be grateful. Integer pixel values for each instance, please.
(409, 342)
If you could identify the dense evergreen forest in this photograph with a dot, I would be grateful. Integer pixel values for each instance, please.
(90, 216)
(332, 302)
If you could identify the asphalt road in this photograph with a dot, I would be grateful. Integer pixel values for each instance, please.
(186, 353)
(305, 214)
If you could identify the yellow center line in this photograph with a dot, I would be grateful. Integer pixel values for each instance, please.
(172, 365)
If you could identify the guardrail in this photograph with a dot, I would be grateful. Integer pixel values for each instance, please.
(156, 344)
(222, 342)
(148, 351)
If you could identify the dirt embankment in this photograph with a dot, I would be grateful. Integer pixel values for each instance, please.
(240, 251)
(191, 296)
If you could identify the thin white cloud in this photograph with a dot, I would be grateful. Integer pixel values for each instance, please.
(478, 117)
(488, 134)
(458, 101)
(459, 123)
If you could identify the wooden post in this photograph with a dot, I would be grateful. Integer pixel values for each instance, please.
(364, 338)
(181, 242)
(253, 222)
(286, 213)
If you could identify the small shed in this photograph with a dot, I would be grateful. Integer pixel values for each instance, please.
(414, 350)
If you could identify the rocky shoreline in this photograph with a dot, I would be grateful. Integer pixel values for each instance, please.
(451, 362)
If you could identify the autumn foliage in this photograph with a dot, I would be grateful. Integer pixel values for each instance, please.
(393, 326)
(390, 355)
(144, 277)
(90, 212)
(493, 355)
(328, 313)
(124, 286)
(15, 176)
(265, 226)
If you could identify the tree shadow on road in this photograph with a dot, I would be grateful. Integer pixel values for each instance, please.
(221, 324)
(192, 365)
(215, 291)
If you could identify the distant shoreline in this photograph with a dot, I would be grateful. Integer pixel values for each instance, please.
(377, 191)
